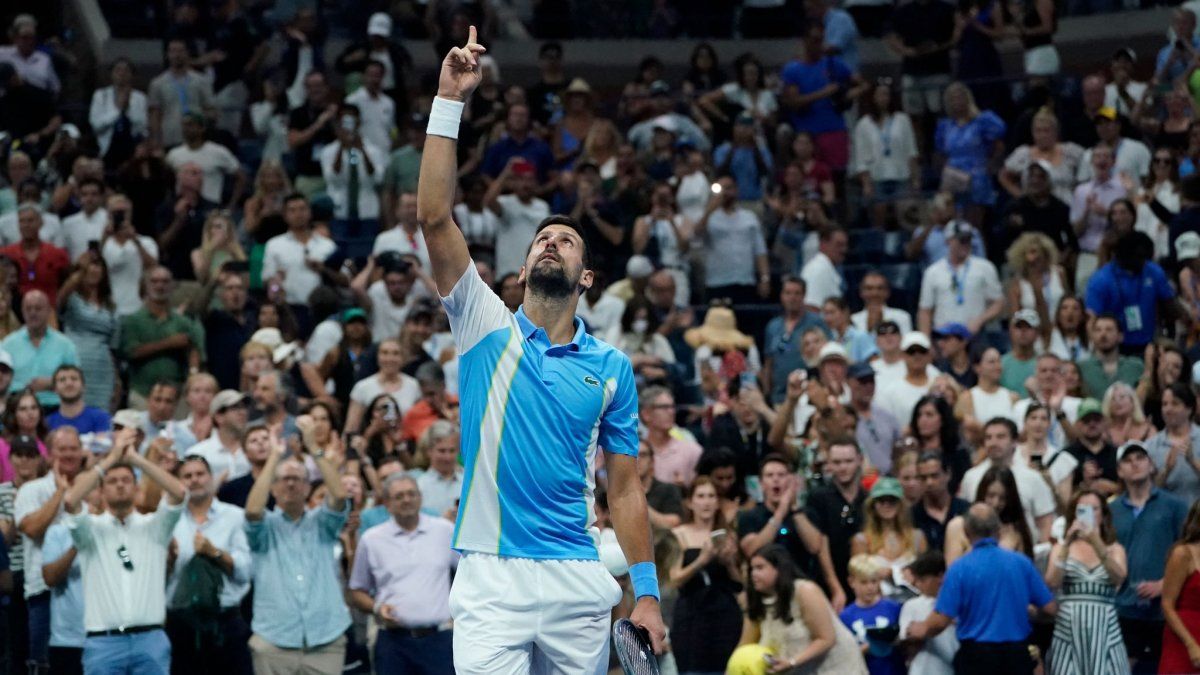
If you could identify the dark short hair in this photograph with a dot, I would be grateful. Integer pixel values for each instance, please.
(349, 108)
(67, 368)
(773, 457)
(1004, 422)
(939, 457)
(293, 196)
(92, 180)
(845, 440)
(551, 46)
(931, 563)
(192, 458)
(567, 221)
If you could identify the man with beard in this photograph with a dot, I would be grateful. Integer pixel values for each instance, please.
(540, 397)
(223, 449)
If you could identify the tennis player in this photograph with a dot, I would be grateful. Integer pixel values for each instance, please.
(538, 398)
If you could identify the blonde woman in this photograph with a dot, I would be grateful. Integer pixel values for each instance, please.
(969, 141)
(256, 359)
(1126, 420)
(888, 535)
(271, 185)
(1061, 158)
(218, 246)
(600, 148)
(1038, 281)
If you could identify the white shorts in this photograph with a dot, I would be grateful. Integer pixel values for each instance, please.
(516, 615)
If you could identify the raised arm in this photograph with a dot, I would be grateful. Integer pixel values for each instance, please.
(448, 253)
(256, 501)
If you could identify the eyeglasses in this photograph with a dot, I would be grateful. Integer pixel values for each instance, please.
(1163, 160)
(123, 554)
(886, 330)
(914, 351)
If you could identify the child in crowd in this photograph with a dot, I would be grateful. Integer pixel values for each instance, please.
(872, 618)
(936, 656)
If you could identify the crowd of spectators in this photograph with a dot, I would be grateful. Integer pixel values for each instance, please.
(889, 336)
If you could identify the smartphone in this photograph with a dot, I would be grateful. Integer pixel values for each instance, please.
(1086, 514)
(118, 216)
(94, 245)
(717, 535)
(1036, 460)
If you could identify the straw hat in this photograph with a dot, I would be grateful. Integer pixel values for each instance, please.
(578, 86)
(719, 331)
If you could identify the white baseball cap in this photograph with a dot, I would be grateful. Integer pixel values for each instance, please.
(832, 350)
(380, 24)
(915, 338)
(1187, 246)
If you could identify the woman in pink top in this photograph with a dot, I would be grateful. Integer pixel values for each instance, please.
(22, 415)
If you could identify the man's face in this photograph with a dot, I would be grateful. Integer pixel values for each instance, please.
(161, 404)
(404, 499)
(290, 487)
(844, 463)
(958, 247)
(1184, 23)
(949, 346)
(862, 389)
(90, 197)
(774, 478)
(406, 209)
(791, 297)
(517, 121)
(998, 442)
(554, 266)
(835, 317)
(233, 293)
(934, 481)
(1135, 467)
(1092, 427)
(258, 446)
(1023, 334)
(1047, 373)
(873, 290)
(158, 284)
(316, 89)
(266, 393)
(197, 479)
(29, 222)
(67, 452)
(1105, 335)
(234, 418)
(68, 384)
(1038, 182)
(193, 131)
(660, 290)
(398, 285)
(1092, 91)
(119, 488)
(296, 213)
(836, 248)
(443, 456)
(660, 413)
(373, 78)
(190, 177)
(916, 358)
(177, 54)
(645, 460)
(36, 309)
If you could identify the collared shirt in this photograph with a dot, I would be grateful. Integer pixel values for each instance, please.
(377, 115)
(822, 281)
(900, 317)
(877, 434)
(31, 497)
(80, 229)
(1147, 535)
(114, 595)
(533, 414)
(936, 248)
(1096, 379)
(675, 461)
(959, 294)
(36, 69)
(44, 273)
(783, 349)
(221, 460)
(225, 528)
(1182, 481)
(934, 529)
(66, 599)
(518, 223)
(297, 596)
(215, 161)
(438, 493)
(29, 362)
(858, 343)
(1106, 192)
(408, 569)
(337, 183)
(141, 328)
(988, 591)
(286, 253)
(1133, 298)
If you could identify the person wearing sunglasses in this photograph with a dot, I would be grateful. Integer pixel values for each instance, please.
(123, 556)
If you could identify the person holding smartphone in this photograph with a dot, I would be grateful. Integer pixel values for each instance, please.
(353, 170)
(1088, 566)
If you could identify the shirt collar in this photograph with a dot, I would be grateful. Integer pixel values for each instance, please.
(986, 542)
(530, 331)
(422, 524)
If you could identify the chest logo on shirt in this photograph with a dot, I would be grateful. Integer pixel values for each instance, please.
(588, 379)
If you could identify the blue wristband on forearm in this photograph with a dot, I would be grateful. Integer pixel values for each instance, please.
(645, 580)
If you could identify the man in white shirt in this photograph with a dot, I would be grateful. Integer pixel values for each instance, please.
(85, 228)
(821, 273)
(736, 264)
(1050, 391)
(296, 259)
(960, 288)
(1037, 498)
(353, 170)
(602, 311)
(37, 506)
(875, 290)
(1132, 157)
(127, 255)
(899, 395)
(123, 554)
(223, 448)
(441, 485)
(405, 237)
(520, 212)
(376, 109)
(50, 232)
(1123, 93)
(389, 296)
(215, 161)
(33, 65)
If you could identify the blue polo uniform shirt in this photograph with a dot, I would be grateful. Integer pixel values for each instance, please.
(30, 362)
(1147, 533)
(1132, 298)
(988, 591)
(533, 416)
(820, 116)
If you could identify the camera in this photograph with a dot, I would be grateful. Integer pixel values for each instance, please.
(118, 216)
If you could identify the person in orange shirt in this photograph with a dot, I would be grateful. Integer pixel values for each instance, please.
(435, 404)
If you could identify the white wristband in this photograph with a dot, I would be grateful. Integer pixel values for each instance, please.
(444, 118)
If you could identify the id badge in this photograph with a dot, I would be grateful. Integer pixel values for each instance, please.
(1133, 318)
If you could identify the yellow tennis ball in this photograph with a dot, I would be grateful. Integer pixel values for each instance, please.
(748, 660)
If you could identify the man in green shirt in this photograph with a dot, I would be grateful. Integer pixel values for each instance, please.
(1106, 365)
(403, 166)
(1018, 365)
(159, 343)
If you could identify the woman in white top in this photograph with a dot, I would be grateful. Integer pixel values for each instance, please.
(664, 236)
(748, 91)
(1063, 158)
(694, 187)
(637, 336)
(985, 400)
(269, 119)
(1068, 340)
(116, 102)
(404, 390)
(1038, 281)
(885, 151)
(1158, 200)
(1039, 454)
(600, 148)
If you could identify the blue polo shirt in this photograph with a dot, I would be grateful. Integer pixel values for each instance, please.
(1147, 535)
(820, 116)
(533, 149)
(31, 362)
(91, 420)
(1132, 298)
(533, 416)
(783, 350)
(989, 590)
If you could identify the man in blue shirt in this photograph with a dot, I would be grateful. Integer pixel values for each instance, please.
(1134, 290)
(812, 87)
(69, 384)
(1148, 521)
(783, 338)
(37, 350)
(1175, 59)
(988, 592)
(540, 398)
(64, 575)
(518, 142)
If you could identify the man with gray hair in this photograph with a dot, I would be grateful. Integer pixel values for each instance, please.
(38, 350)
(401, 576)
(442, 484)
(300, 618)
(41, 263)
(271, 393)
(988, 591)
(435, 403)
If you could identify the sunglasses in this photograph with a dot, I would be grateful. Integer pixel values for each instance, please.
(126, 561)
(887, 330)
(916, 350)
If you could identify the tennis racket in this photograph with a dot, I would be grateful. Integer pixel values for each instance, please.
(633, 649)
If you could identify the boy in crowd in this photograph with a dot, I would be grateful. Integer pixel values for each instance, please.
(870, 617)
